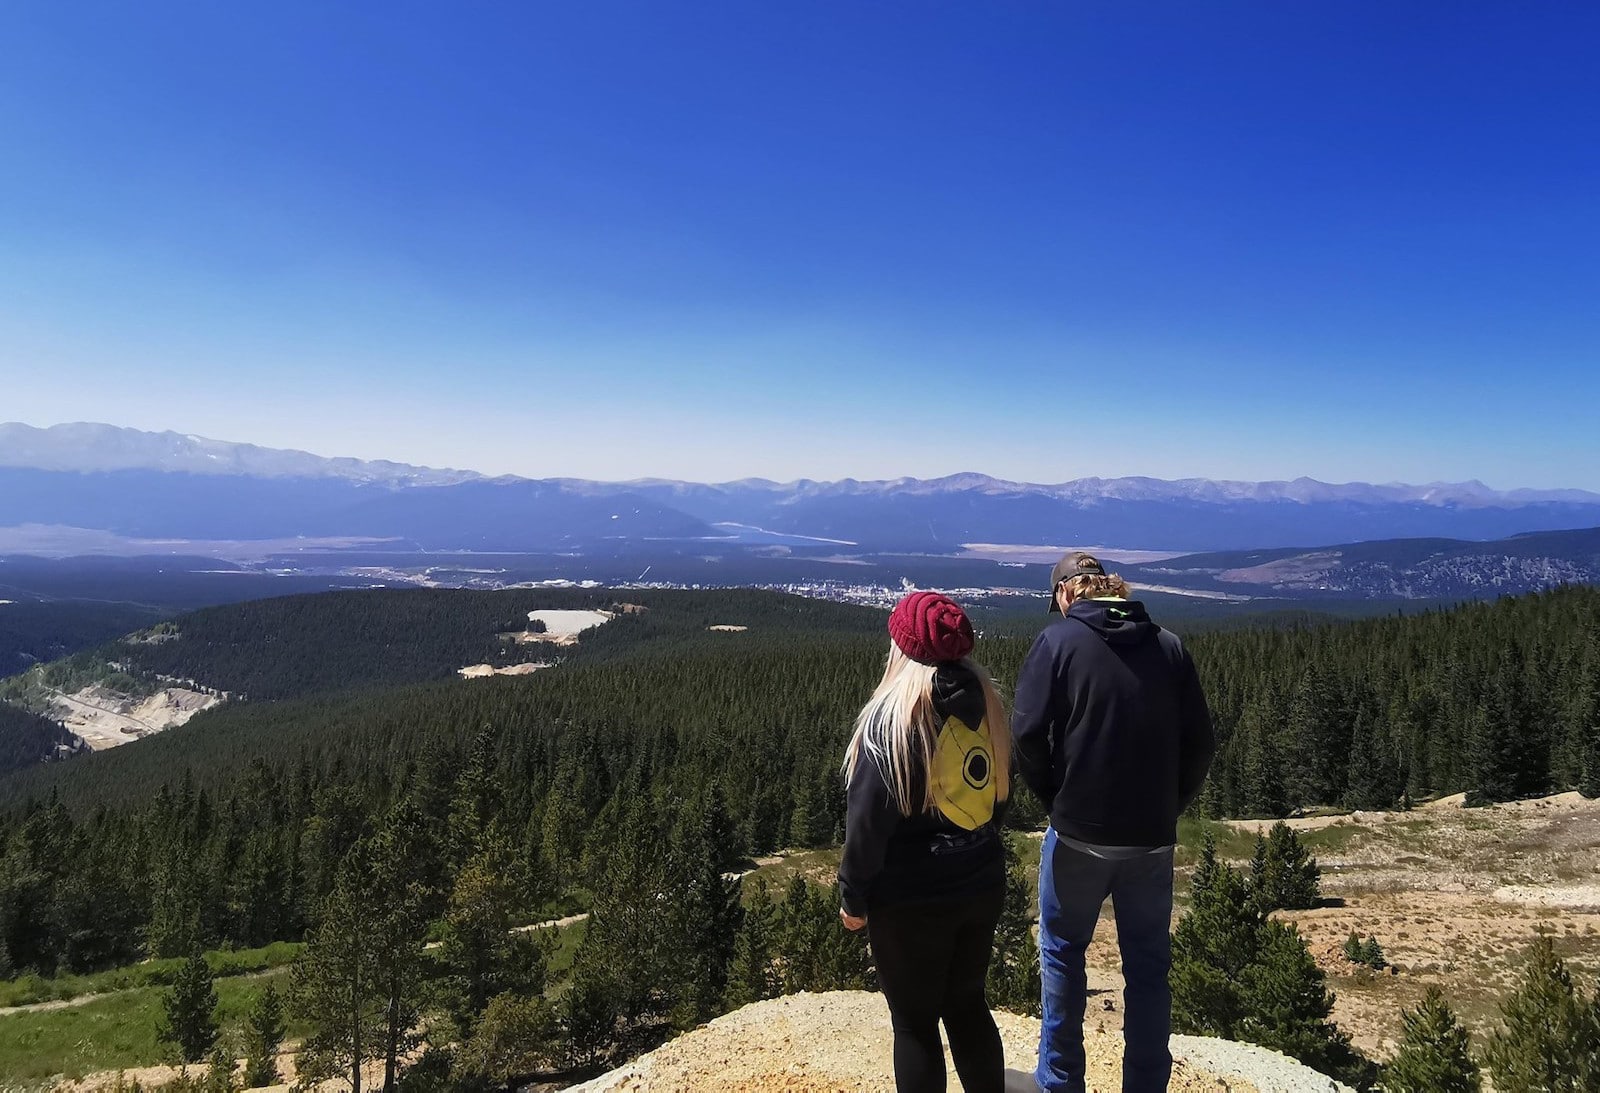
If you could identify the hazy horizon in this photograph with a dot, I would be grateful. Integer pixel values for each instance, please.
(974, 470)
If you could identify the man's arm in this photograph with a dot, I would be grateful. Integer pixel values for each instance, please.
(1033, 719)
(1197, 741)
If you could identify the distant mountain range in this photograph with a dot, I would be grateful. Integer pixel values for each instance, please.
(168, 486)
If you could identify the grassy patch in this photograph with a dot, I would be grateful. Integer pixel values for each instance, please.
(151, 973)
(111, 1033)
(817, 866)
(1232, 844)
(1335, 839)
(567, 940)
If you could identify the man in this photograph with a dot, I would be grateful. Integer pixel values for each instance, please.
(1113, 733)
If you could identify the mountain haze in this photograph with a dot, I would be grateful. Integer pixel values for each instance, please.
(171, 486)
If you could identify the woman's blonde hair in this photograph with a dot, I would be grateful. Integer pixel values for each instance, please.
(897, 730)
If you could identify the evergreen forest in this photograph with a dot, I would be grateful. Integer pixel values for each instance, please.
(360, 791)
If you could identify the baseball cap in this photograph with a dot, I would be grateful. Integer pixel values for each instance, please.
(1074, 564)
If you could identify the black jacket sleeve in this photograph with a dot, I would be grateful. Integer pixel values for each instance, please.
(1033, 727)
(870, 820)
(1197, 740)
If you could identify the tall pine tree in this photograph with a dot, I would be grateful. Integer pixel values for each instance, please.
(1550, 1039)
(1433, 1056)
(189, 1011)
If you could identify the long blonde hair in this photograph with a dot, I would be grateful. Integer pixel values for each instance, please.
(897, 730)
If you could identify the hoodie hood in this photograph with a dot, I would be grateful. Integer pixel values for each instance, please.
(1118, 622)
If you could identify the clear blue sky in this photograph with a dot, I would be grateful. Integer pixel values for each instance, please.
(705, 240)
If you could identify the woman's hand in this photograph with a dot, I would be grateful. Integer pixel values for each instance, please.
(851, 922)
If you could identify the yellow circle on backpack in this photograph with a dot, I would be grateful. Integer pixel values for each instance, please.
(963, 774)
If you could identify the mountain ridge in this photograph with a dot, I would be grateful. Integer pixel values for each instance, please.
(114, 448)
(170, 486)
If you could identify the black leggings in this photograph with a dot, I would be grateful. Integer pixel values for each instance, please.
(932, 959)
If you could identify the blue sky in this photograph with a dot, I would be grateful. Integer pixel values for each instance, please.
(709, 240)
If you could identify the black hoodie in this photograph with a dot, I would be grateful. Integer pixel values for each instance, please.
(1111, 727)
(928, 856)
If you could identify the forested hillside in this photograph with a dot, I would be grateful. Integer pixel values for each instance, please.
(25, 737)
(1498, 699)
(33, 632)
(268, 820)
(244, 812)
(292, 646)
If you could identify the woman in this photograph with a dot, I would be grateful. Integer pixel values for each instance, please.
(928, 772)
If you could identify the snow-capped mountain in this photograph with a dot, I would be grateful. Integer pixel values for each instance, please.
(1300, 490)
(88, 447)
(169, 485)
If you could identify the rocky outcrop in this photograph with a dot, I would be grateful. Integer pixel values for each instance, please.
(828, 1043)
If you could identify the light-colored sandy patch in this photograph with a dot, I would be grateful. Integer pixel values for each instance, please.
(105, 718)
(483, 671)
(840, 1041)
(1300, 570)
(728, 628)
(528, 637)
(560, 623)
(1044, 554)
(1577, 896)
(154, 1077)
(1555, 805)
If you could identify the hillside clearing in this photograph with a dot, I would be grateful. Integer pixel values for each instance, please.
(104, 718)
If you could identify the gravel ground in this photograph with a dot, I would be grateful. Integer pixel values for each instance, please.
(839, 1042)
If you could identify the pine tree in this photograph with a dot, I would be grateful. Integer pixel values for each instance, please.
(799, 938)
(1240, 976)
(1433, 1056)
(1509, 749)
(1372, 954)
(751, 976)
(336, 987)
(1589, 735)
(263, 1033)
(1284, 875)
(396, 923)
(844, 961)
(1551, 1037)
(1262, 771)
(219, 1073)
(703, 910)
(1374, 779)
(1286, 1003)
(480, 956)
(189, 1011)
(1014, 963)
(516, 1037)
(1215, 941)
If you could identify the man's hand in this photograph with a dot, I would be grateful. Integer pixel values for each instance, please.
(851, 922)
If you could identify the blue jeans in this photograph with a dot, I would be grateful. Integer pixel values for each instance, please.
(1072, 888)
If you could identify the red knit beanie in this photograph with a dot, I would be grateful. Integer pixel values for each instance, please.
(930, 628)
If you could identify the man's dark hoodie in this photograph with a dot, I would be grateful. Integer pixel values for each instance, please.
(1111, 727)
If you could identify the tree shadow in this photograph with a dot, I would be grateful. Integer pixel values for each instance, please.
(1018, 1082)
